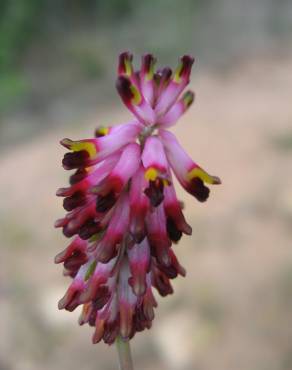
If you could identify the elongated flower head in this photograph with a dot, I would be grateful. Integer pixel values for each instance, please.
(123, 214)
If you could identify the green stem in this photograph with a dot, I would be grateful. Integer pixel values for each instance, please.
(124, 351)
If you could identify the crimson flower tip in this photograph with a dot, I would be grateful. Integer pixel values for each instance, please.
(147, 65)
(128, 91)
(187, 63)
(123, 85)
(125, 64)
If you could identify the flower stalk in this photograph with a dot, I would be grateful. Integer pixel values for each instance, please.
(124, 352)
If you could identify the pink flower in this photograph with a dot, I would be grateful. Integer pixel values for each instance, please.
(123, 212)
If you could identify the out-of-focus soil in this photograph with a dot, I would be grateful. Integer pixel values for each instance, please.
(233, 310)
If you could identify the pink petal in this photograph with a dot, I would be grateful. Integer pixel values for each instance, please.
(177, 110)
(91, 151)
(139, 260)
(108, 247)
(139, 205)
(125, 168)
(176, 223)
(135, 101)
(176, 85)
(190, 175)
(127, 301)
(157, 235)
(156, 169)
(147, 78)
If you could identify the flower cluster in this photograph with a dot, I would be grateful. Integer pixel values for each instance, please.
(123, 212)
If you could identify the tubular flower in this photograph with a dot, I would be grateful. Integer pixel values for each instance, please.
(123, 212)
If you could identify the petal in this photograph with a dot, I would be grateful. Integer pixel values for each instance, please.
(147, 77)
(78, 217)
(176, 85)
(135, 101)
(125, 66)
(98, 278)
(106, 323)
(106, 130)
(177, 110)
(125, 168)
(139, 205)
(149, 301)
(162, 78)
(75, 250)
(93, 177)
(71, 298)
(154, 159)
(87, 311)
(91, 151)
(176, 223)
(156, 169)
(191, 176)
(108, 247)
(127, 301)
(139, 261)
(157, 235)
(101, 131)
(174, 269)
(160, 281)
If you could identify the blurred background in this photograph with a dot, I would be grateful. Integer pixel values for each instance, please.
(57, 75)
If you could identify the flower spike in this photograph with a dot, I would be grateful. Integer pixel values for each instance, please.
(123, 214)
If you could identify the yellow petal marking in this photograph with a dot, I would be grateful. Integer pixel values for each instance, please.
(128, 67)
(103, 130)
(203, 175)
(151, 174)
(166, 182)
(137, 98)
(177, 77)
(150, 73)
(77, 146)
(188, 98)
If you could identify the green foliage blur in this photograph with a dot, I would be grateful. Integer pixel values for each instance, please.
(21, 21)
(24, 23)
(56, 43)
(20, 18)
(17, 21)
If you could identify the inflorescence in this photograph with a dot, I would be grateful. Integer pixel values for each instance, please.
(123, 212)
